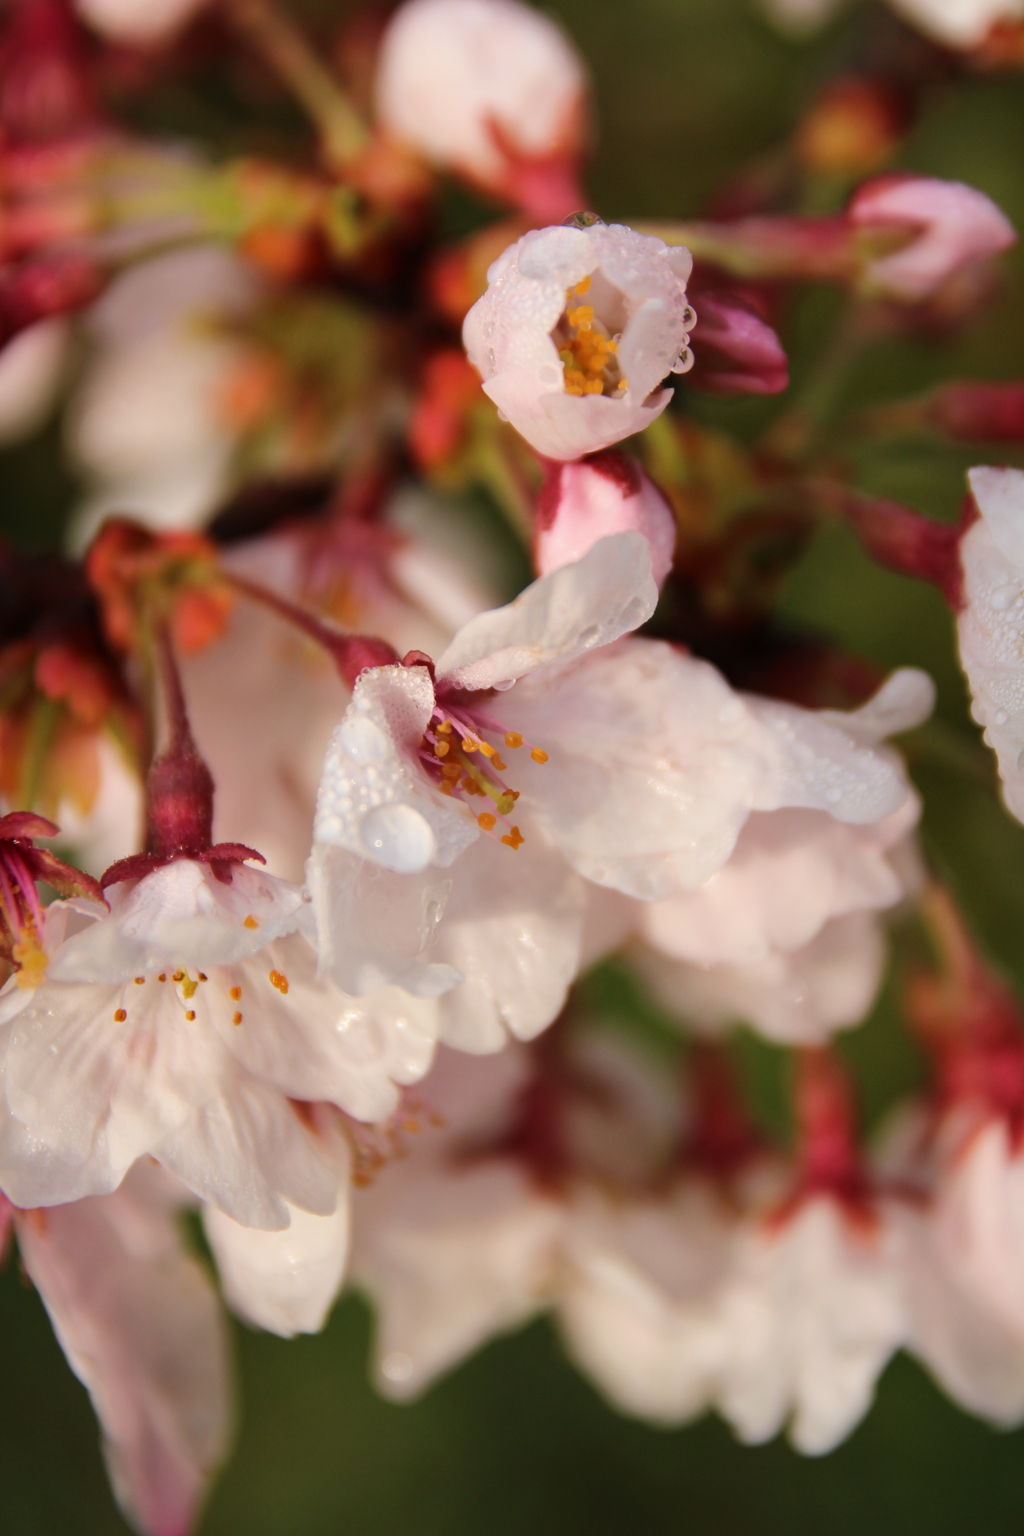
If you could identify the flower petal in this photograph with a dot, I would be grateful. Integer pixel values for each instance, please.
(139, 1323)
(577, 608)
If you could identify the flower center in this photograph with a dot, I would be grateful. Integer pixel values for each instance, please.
(586, 344)
(462, 763)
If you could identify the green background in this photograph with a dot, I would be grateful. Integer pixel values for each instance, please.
(687, 90)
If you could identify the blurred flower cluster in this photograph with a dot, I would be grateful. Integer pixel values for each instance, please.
(383, 712)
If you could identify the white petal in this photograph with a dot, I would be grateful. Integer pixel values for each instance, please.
(796, 998)
(561, 426)
(575, 609)
(790, 872)
(139, 1323)
(449, 1258)
(512, 928)
(313, 1042)
(812, 1315)
(906, 699)
(374, 799)
(180, 915)
(373, 927)
(285, 1282)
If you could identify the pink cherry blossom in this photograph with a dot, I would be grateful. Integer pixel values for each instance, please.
(602, 494)
(955, 227)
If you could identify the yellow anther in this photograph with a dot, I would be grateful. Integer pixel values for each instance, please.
(236, 1018)
(444, 727)
(486, 821)
(446, 786)
(486, 748)
(468, 746)
(119, 1015)
(612, 345)
(514, 839)
(31, 960)
(188, 988)
(539, 755)
(442, 748)
(451, 770)
(513, 739)
(235, 993)
(497, 764)
(593, 387)
(250, 922)
(583, 286)
(582, 317)
(190, 1015)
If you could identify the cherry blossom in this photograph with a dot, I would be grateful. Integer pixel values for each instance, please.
(577, 331)
(492, 89)
(142, 22)
(139, 1323)
(992, 558)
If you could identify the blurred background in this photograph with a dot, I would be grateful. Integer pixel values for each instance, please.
(687, 93)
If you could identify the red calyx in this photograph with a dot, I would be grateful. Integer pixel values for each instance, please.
(901, 539)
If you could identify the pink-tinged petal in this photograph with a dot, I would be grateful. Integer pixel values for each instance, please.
(577, 608)
(736, 351)
(140, 23)
(140, 1325)
(603, 494)
(284, 1282)
(958, 23)
(480, 86)
(955, 226)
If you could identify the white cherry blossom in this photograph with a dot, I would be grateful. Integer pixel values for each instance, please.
(184, 1024)
(577, 331)
(958, 23)
(990, 621)
(643, 768)
(139, 1323)
(32, 365)
(479, 86)
(813, 1310)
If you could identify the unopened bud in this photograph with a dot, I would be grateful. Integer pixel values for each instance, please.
(602, 494)
(953, 228)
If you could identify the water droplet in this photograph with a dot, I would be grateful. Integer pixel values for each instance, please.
(1000, 717)
(398, 837)
(362, 739)
(590, 636)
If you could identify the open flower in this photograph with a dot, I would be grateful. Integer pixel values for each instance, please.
(576, 332)
(632, 764)
(138, 1320)
(492, 89)
(989, 623)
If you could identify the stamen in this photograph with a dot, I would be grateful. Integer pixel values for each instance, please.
(513, 739)
(188, 987)
(514, 839)
(162, 976)
(119, 1015)
(235, 993)
(539, 755)
(236, 1018)
(140, 981)
(486, 821)
(190, 1015)
(250, 922)
(279, 981)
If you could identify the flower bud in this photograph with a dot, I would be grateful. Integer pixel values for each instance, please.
(491, 89)
(577, 330)
(957, 227)
(737, 352)
(602, 494)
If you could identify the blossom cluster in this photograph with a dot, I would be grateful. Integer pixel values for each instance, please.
(320, 829)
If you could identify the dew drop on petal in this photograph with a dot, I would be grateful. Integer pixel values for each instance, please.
(362, 739)
(398, 837)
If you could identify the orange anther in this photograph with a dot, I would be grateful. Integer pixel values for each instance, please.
(250, 922)
(514, 838)
(486, 821)
(513, 739)
(162, 976)
(119, 1015)
(443, 728)
(279, 981)
(178, 976)
(140, 981)
(235, 993)
(583, 286)
(442, 748)
(190, 1015)
(539, 755)
(497, 764)
(236, 1018)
